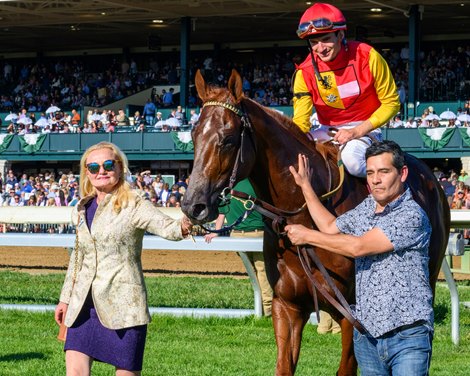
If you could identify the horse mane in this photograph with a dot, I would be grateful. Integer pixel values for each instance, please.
(215, 92)
(283, 121)
(327, 150)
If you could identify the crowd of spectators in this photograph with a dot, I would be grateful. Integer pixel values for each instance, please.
(46, 189)
(97, 121)
(159, 192)
(444, 73)
(456, 187)
(68, 84)
(457, 190)
(444, 76)
(430, 119)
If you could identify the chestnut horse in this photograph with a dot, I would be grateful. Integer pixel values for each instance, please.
(237, 138)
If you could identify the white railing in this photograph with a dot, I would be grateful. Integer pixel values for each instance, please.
(459, 219)
(225, 244)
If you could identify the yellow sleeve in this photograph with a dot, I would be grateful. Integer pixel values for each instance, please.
(386, 90)
(303, 104)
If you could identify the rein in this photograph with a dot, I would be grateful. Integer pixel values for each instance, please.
(277, 215)
(340, 165)
(307, 254)
(248, 206)
(253, 203)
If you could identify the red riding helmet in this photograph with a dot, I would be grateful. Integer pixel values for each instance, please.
(320, 18)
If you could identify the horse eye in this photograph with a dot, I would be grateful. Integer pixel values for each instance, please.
(227, 141)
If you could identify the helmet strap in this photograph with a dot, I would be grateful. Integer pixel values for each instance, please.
(344, 41)
(324, 83)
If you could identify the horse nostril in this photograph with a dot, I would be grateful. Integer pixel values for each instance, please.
(197, 210)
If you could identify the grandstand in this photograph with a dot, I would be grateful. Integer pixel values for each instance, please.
(113, 56)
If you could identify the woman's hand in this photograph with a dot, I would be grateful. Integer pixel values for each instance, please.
(60, 312)
(186, 226)
(302, 175)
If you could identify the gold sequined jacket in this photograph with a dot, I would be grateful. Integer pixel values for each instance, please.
(109, 263)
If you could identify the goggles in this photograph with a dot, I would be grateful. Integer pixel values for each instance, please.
(108, 165)
(320, 24)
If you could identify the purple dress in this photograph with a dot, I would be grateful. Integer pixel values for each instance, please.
(122, 348)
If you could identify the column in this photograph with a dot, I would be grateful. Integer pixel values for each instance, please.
(184, 62)
(414, 24)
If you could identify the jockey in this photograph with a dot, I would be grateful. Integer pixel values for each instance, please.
(349, 84)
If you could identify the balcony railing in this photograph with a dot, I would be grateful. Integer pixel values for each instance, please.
(160, 146)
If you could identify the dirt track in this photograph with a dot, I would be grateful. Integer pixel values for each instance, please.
(155, 263)
(47, 260)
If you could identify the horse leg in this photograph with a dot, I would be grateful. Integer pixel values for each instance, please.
(348, 363)
(288, 322)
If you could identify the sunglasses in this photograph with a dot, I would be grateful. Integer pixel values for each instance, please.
(319, 24)
(108, 165)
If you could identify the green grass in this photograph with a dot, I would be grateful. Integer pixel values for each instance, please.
(23, 288)
(197, 347)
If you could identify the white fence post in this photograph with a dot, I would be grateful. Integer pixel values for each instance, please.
(454, 298)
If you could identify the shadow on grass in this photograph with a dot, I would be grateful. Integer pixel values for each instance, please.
(33, 267)
(22, 357)
(195, 272)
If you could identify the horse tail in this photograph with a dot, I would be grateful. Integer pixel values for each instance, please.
(428, 193)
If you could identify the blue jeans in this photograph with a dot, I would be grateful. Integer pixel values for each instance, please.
(402, 352)
(149, 119)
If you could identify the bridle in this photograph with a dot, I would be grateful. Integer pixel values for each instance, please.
(246, 127)
(251, 203)
(306, 254)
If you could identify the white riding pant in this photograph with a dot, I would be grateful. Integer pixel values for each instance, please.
(353, 153)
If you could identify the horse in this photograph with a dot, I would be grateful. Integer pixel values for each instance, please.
(237, 138)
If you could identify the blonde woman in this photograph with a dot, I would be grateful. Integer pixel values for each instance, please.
(103, 300)
(89, 115)
(51, 201)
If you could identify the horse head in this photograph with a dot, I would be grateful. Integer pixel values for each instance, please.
(223, 148)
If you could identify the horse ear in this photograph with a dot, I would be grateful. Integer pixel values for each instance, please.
(201, 86)
(235, 85)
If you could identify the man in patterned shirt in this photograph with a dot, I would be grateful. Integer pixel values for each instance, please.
(388, 234)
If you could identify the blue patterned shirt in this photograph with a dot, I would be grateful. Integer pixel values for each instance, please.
(392, 288)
